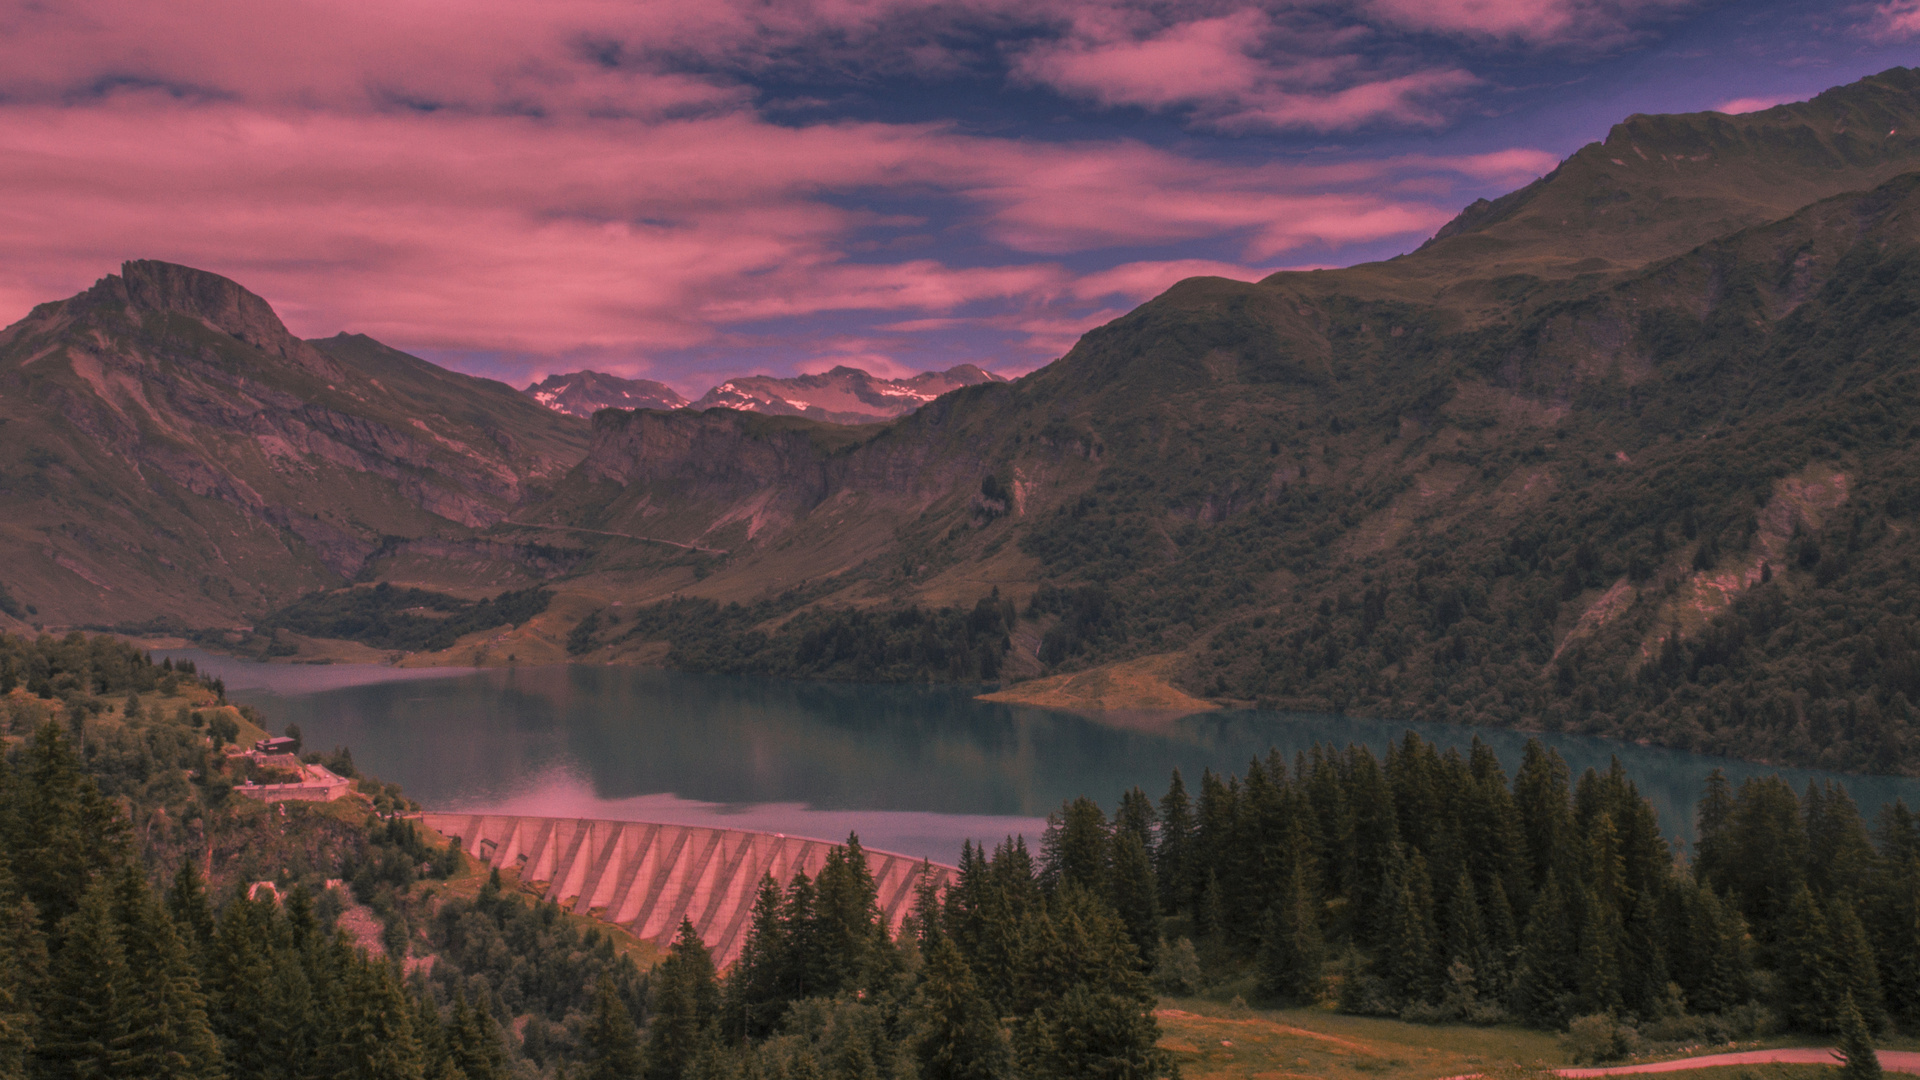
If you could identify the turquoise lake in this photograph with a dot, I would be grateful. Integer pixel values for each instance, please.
(912, 769)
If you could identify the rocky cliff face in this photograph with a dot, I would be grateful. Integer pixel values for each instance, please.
(171, 450)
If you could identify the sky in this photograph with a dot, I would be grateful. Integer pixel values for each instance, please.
(689, 190)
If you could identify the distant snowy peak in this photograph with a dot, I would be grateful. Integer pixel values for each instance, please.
(583, 393)
(842, 396)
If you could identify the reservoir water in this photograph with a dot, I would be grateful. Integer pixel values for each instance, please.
(912, 769)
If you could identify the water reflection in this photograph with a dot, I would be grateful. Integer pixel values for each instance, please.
(914, 769)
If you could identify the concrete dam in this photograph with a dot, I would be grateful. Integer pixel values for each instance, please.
(647, 877)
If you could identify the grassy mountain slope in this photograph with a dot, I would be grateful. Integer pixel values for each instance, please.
(1647, 473)
(171, 452)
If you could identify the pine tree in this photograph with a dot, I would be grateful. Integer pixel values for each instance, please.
(244, 987)
(852, 934)
(430, 1032)
(610, 1042)
(927, 923)
(1808, 966)
(1209, 921)
(22, 949)
(63, 829)
(187, 903)
(1896, 929)
(1136, 896)
(1408, 954)
(475, 1043)
(753, 998)
(804, 963)
(1136, 817)
(1541, 792)
(1075, 847)
(956, 1036)
(1292, 952)
(685, 1010)
(1856, 1052)
(1545, 976)
(1602, 942)
(375, 1037)
(82, 1026)
(166, 1034)
(1173, 851)
(1856, 971)
(1084, 1008)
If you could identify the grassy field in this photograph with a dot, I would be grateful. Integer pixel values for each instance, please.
(1228, 1042)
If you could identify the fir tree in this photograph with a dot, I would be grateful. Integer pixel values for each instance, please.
(1545, 976)
(956, 1035)
(1135, 817)
(83, 1027)
(1136, 896)
(187, 903)
(1856, 1053)
(852, 934)
(754, 998)
(166, 1035)
(927, 923)
(1809, 967)
(1292, 953)
(685, 1009)
(1075, 847)
(1173, 850)
(803, 962)
(375, 1037)
(475, 1043)
(1408, 955)
(610, 1042)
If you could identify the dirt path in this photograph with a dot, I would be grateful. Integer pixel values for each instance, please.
(623, 536)
(1905, 1061)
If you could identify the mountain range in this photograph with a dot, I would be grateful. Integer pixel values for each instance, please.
(844, 395)
(1629, 451)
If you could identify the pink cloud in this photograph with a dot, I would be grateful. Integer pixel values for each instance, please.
(1238, 71)
(1736, 106)
(1546, 22)
(550, 180)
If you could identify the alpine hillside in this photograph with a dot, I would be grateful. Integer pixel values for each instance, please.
(1628, 451)
(172, 454)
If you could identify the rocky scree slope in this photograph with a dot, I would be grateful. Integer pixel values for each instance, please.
(170, 452)
(1631, 451)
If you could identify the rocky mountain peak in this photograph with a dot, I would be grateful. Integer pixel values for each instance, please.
(218, 301)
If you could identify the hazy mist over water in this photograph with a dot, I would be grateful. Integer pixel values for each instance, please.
(913, 769)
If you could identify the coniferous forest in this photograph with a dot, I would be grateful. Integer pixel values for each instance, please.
(1422, 885)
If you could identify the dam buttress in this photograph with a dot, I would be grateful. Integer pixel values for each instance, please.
(647, 877)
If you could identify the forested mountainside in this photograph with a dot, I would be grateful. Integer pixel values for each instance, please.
(1629, 451)
(338, 940)
(171, 454)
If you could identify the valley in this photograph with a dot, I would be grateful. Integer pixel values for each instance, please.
(1627, 452)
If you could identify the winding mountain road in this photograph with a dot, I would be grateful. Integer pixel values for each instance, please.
(1905, 1061)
